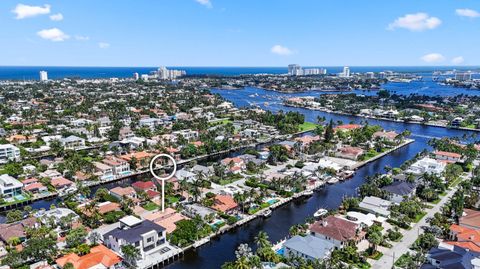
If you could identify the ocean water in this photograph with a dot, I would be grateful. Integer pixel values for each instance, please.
(59, 72)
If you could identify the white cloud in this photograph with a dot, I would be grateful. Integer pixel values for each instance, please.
(82, 38)
(281, 50)
(25, 11)
(206, 3)
(465, 12)
(53, 34)
(415, 22)
(56, 17)
(458, 60)
(433, 58)
(103, 45)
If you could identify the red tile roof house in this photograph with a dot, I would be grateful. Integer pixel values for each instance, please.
(348, 152)
(225, 204)
(306, 140)
(120, 192)
(61, 183)
(470, 219)
(144, 186)
(234, 165)
(389, 136)
(464, 237)
(347, 127)
(447, 156)
(99, 257)
(336, 230)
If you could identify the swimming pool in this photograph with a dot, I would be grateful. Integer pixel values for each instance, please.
(272, 201)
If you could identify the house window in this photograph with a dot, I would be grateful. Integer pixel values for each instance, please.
(137, 243)
(149, 239)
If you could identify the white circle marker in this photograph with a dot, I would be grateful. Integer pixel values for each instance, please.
(163, 179)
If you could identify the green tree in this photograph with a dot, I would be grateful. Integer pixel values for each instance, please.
(131, 254)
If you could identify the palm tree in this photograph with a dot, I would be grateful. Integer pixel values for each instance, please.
(262, 240)
(131, 254)
(242, 263)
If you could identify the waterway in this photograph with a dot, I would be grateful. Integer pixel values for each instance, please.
(222, 249)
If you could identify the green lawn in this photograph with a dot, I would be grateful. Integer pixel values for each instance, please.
(150, 206)
(455, 182)
(419, 216)
(307, 126)
(172, 199)
(219, 122)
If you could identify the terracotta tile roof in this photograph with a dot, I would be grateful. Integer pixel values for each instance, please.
(98, 255)
(138, 155)
(120, 191)
(336, 228)
(143, 185)
(347, 127)
(108, 207)
(467, 245)
(466, 235)
(224, 203)
(29, 180)
(166, 219)
(448, 154)
(34, 186)
(152, 194)
(60, 182)
(470, 219)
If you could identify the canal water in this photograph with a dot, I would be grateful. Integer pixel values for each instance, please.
(222, 248)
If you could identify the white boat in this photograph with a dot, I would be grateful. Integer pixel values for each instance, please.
(267, 213)
(333, 180)
(308, 193)
(320, 213)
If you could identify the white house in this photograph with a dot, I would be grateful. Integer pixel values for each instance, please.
(72, 142)
(9, 186)
(9, 152)
(426, 165)
(147, 236)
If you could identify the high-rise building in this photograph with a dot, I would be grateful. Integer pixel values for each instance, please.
(136, 76)
(463, 76)
(43, 76)
(164, 73)
(346, 72)
(295, 70)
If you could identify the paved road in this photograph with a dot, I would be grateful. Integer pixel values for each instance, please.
(409, 237)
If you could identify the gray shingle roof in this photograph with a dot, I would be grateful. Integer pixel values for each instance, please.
(133, 234)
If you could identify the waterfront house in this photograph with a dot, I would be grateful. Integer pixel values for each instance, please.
(120, 193)
(61, 183)
(72, 142)
(192, 210)
(450, 157)
(144, 186)
(119, 166)
(426, 165)
(233, 165)
(388, 136)
(150, 123)
(103, 171)
(224, 204)
(307, 247)
(99, 257)
(147, 236)
(347, 127)
(142, 158)
(375, 205)
(167, 219)
(9, 152)
(399, 190)
(336, 230)
(9, 186)
(187, 134)
(351, 153)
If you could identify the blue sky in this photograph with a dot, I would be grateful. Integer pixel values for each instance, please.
(239, 32)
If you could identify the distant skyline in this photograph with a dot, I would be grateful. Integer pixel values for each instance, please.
(248, 33)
